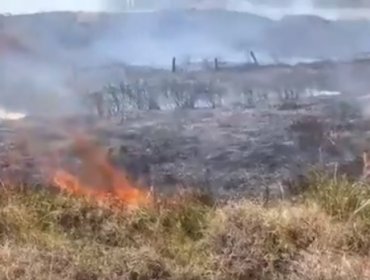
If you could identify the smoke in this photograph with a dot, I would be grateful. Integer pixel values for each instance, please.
(150, 48)
(275, 9)
(61, 44)
(329, 9)
(36, 88)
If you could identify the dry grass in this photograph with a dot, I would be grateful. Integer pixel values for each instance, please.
(325, 235)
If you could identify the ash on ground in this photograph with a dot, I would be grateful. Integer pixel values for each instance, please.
(228, 152)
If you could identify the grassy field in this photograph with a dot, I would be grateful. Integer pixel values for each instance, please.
(324, 234)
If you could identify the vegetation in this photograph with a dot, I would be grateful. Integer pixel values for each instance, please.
(175, 92)
(323, 234)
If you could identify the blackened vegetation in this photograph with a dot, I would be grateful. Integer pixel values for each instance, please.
(188, 92)
(117, 100)
(335, 140)
(114, 100)
(232, 144)
(289, 100)
(310, 131)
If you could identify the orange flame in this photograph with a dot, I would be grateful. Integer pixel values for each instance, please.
(98, 178)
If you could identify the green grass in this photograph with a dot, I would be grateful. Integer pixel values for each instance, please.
(323, 235)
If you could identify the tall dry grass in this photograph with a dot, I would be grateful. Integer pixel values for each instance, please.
(325, 234)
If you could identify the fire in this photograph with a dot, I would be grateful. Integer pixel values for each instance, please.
(97, 178)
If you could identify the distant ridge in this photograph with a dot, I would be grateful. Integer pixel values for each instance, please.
(145, 36)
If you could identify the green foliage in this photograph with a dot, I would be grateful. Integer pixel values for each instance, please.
(340, 197)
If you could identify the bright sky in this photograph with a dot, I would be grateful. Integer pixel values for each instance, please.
(296, 7)
(32, 6)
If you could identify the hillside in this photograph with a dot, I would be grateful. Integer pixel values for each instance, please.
(44, 56)
(128, 36)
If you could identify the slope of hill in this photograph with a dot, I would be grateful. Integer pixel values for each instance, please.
(130, 37)
(40, 54)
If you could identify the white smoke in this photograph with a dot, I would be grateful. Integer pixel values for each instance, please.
(279, 9)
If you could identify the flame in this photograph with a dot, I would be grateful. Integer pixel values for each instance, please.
(98, 178)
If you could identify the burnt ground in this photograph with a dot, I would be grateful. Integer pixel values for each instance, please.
(228, 152)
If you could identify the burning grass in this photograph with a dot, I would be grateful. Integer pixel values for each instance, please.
(96, 177)
(324, 235)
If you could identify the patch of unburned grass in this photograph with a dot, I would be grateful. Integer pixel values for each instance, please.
(325, 235)
(340, 197)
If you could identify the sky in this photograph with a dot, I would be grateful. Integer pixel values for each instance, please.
(32, 6)
(270, 8)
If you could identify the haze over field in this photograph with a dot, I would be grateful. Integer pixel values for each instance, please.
(56, 45)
